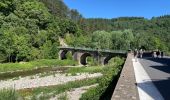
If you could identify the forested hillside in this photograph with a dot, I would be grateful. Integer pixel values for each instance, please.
(29, 30)
(148, 33)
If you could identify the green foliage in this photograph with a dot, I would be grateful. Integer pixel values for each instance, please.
(35, 64)
(110, 73)
(91, 61)
(118, 40)
(68, 26)
(101, 39)
(91, 69)
(78, 40)
(150, 34)
(54, 50)
(56, 7)
(122, 39)
(57, 89)
(8, 94)
(28, 31)
(7, 6)
(45, 50)
(63, 97)
(69, 55)
(2, 57)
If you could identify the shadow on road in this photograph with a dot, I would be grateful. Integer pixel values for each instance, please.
(161, 85)
(161, 64)
(164, 60)
(165, 63)
(165, 68)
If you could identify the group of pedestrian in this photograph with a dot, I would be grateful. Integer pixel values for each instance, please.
(157, 54)
(138, 53)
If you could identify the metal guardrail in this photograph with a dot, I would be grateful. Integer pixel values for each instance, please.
(92, 49)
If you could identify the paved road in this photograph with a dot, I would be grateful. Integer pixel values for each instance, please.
(158, 70)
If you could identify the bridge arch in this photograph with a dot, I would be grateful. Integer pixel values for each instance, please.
(62, 54)
(66, 54)
(83, 58)
(106, 60)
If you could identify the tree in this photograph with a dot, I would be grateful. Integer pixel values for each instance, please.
(7, 6)
(75, 15)
(6, 43)
(68, 26)
(101, 39)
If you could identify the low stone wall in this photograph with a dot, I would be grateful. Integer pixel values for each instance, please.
(126, 87)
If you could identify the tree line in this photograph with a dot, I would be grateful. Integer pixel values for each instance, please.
(29, 30)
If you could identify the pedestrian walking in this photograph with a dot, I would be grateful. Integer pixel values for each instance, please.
(154, 54)
(141, 53)
(158, 54)
(162, 54)
(135, 54)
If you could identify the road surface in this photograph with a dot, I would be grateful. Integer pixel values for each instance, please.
(158, 69)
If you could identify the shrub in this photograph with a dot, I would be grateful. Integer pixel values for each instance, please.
(110, 74)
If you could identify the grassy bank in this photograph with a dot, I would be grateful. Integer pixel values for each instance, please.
(102, 91)
(45, 71)
(92, 69)
(8, 94)
(6, 67)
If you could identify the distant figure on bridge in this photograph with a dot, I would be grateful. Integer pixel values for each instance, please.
(158, 54)
(135, 54)
(141, 53)
(162, 54)
(154, 54)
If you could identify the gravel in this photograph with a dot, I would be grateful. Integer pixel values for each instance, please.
(36, 81)
(75, 93)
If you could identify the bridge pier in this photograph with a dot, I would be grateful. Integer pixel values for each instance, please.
(101, 61)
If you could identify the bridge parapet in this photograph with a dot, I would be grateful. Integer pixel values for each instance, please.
(126, 86)
(93, 50)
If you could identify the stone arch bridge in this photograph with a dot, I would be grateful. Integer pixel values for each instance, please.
(81, 54)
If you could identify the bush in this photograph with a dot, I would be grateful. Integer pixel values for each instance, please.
(69, 56)
(110, 74)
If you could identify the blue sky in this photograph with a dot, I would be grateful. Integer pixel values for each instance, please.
(120, 8)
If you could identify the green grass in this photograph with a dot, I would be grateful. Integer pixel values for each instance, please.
(63, 97)
(46, 71)
(93, 69)
(35, 64)
(8, 94)
(57, 89)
